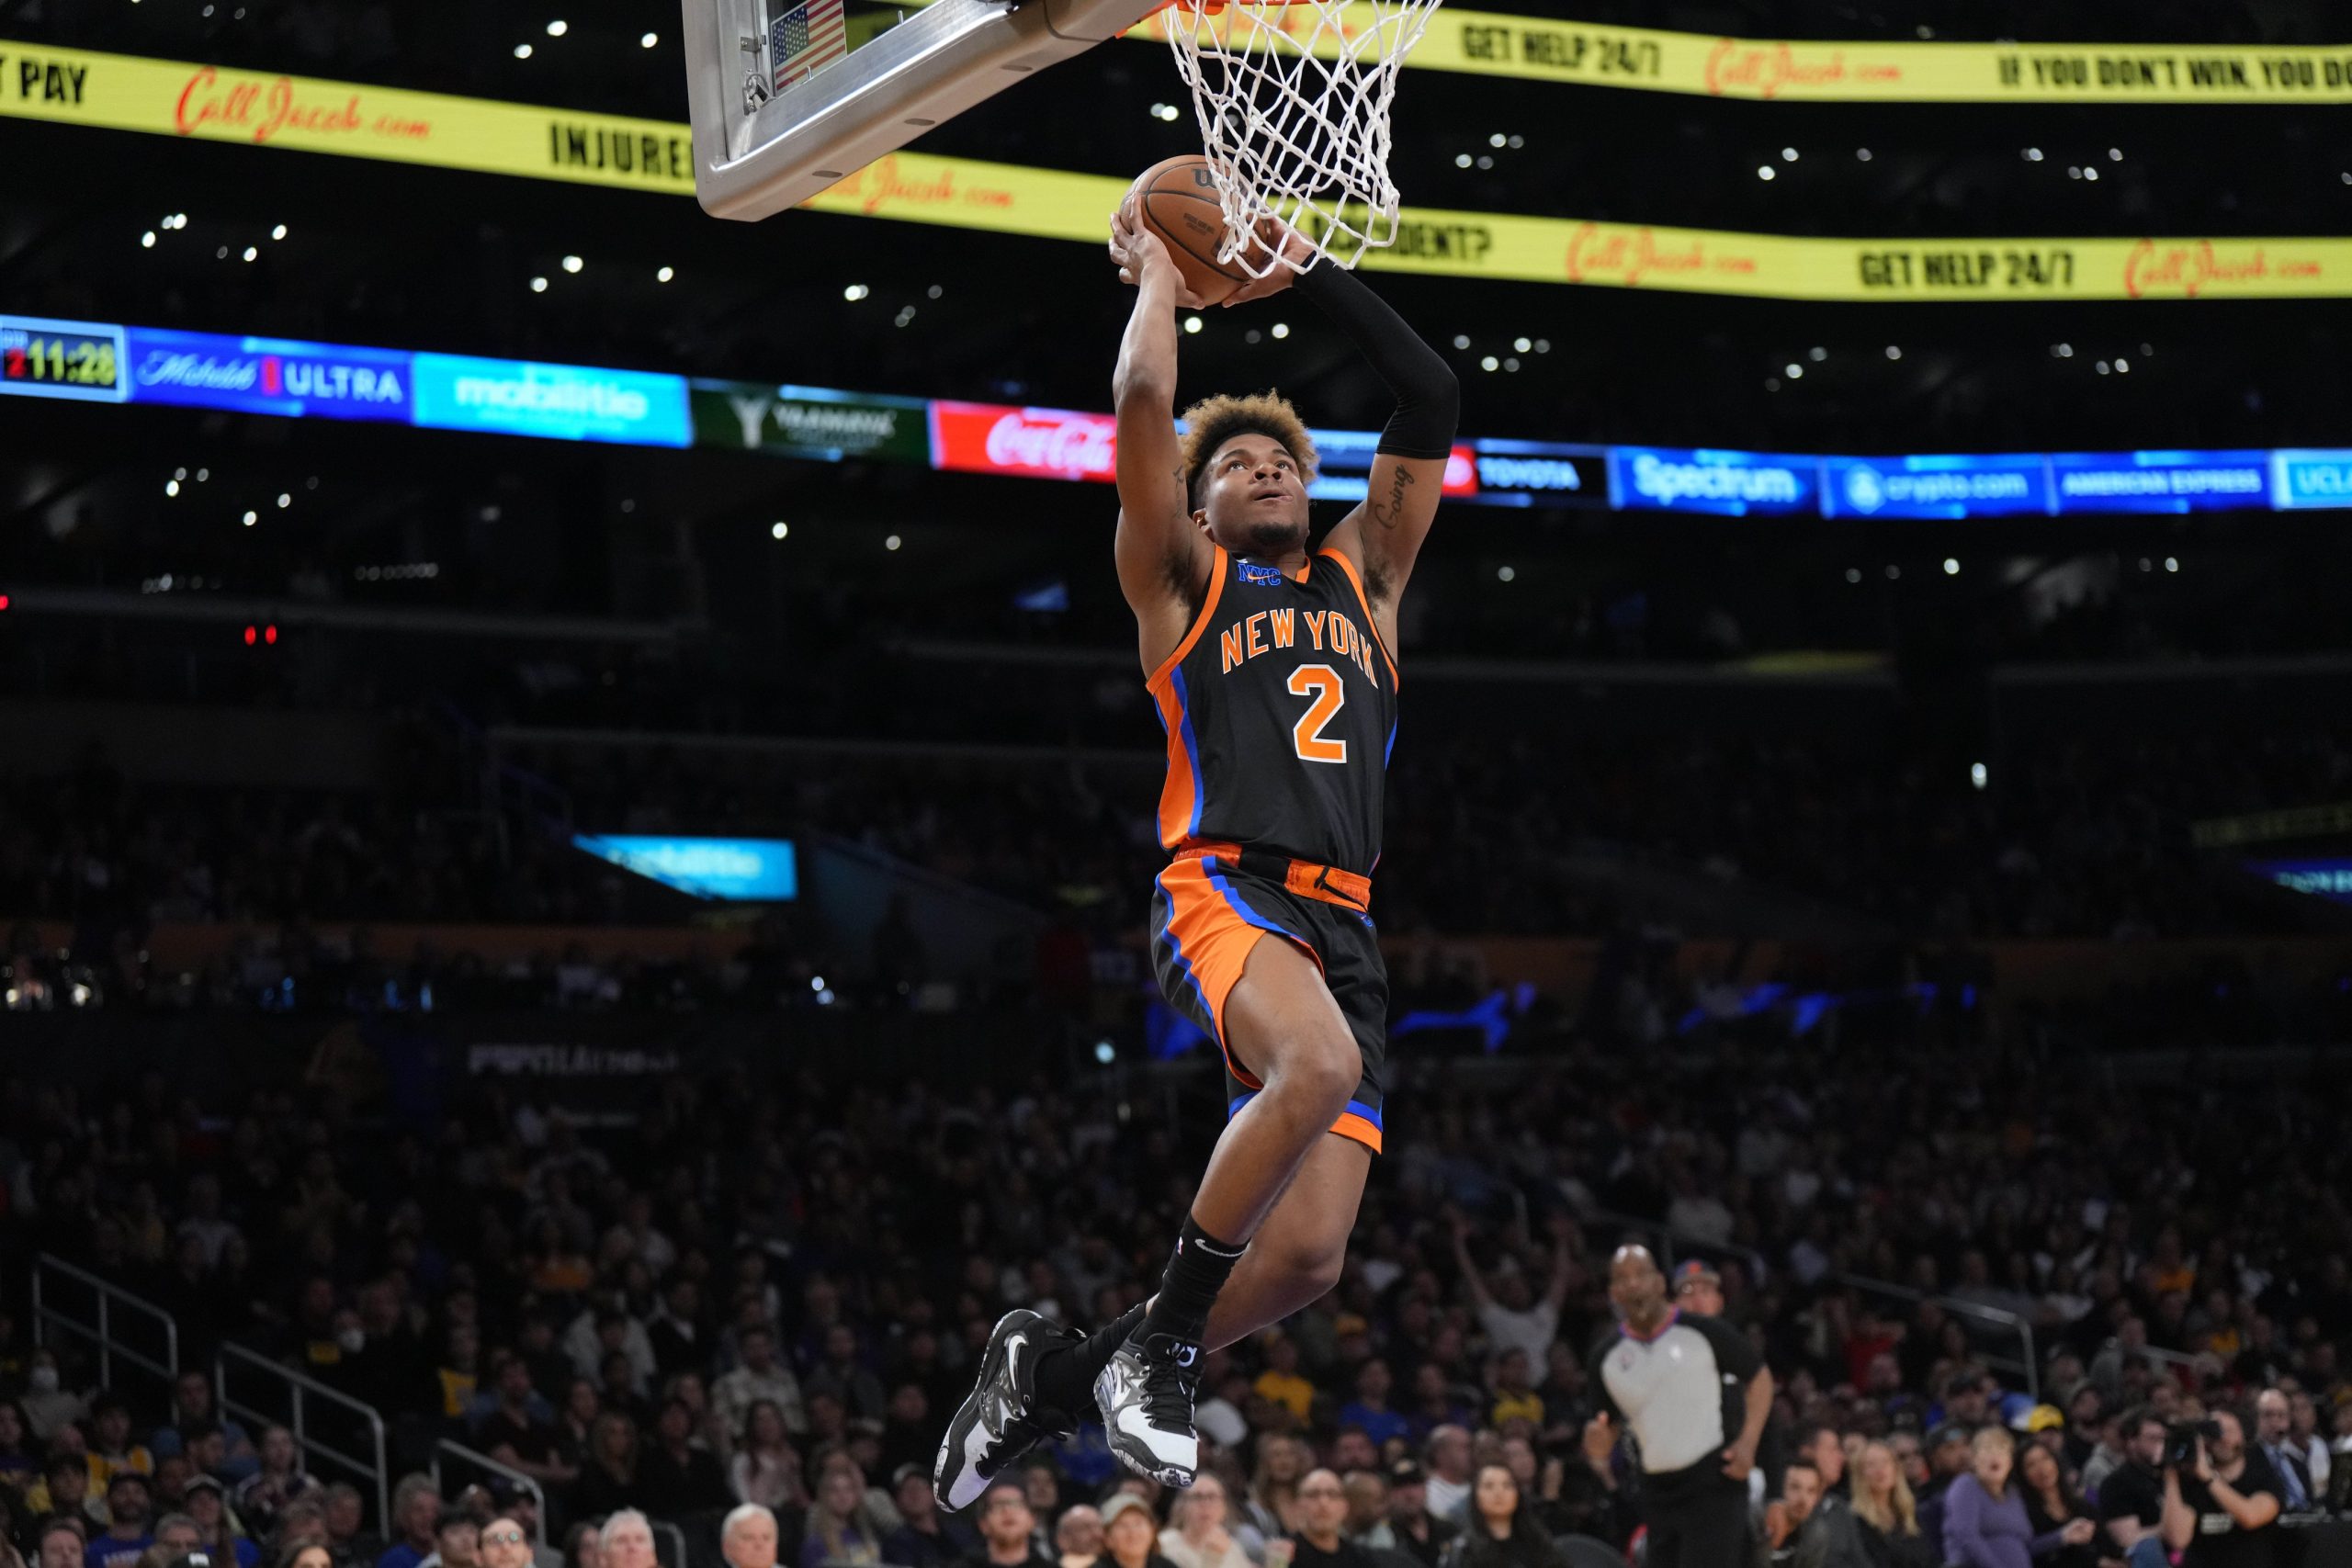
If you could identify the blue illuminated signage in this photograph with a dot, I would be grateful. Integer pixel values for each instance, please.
(565, 402)
(274, 376)
(2330, 879)
(2311, 479)
(2160, 481)
(574, 402)
(1734, 484)
(1934, 486)
(742, 870)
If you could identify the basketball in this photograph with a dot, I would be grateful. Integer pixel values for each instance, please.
(1176, 199)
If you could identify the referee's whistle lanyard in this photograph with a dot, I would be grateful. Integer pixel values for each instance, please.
(1672, 1315)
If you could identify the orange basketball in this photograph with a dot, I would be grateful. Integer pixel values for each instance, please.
(1177, 200)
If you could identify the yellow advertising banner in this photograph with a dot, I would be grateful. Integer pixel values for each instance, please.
(218, 104)
(1535, 48)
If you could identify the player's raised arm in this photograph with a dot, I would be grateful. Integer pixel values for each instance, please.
(1383, 536)
(1162, 555)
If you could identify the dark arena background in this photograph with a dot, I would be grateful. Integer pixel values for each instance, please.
(578, 809)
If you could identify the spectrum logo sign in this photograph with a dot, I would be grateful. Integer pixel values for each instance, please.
(561, 402)
(273, 376)
(1734, 484)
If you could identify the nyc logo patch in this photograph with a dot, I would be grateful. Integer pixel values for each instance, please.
(1260, 576)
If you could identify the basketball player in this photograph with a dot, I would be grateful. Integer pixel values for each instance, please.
(1271, 666)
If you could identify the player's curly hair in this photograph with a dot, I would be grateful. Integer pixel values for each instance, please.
(1213, 421)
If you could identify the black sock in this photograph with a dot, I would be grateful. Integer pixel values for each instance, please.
(1066, 1373)
(1196, 1272)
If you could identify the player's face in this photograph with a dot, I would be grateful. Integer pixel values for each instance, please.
(1255, 499)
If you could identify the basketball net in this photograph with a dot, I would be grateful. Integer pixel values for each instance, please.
(1293, 98)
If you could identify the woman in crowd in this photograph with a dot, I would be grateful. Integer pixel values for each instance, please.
(838, 1530)
(608, 1478)
(1272, 1504)
(1887, 1513)
(1985, 1519)
(575, 1424)
(1196, 1536)
(1499, 1532)
(2050, 1505)
(305, 1554)
(1130, 1534)
(766, 1468)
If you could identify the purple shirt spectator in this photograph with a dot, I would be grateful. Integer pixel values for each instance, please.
(1983, 1532)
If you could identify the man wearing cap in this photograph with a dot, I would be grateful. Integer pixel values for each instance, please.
(1695, 1395)
(125, 1537)
(1417, 1531)
(1947, 1460)
(1698, 1288)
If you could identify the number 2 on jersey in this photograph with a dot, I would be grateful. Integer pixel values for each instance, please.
(1321, 682)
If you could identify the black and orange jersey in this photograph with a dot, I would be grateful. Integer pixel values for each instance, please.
(1279, 706)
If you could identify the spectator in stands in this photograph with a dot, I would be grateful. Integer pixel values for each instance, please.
(1948, 1455)
(48, 1405)
(1886, 1513)
(112, 1449)
(19, 1460)
(1196, 1536)
(346, 1520)
(176, 1535)
(1318, 1541)
(505, 1544)
(457, 1542)
(1280, 1382)
(674, 1475)
(2223, 1508)
(609, 1477)
(306, 1554)
(277, 1482)
(1077, 1537)
(1271, 1507)
(2053, 1508)
(207, 1504)
(1985, 1517)
(1130, 1534)
(2273, 1423)
(192, 1411)
(1418, 1533)
(923, 1539)
(2131, 1498)
(1448, 1458)
(1822, 1531)
(2303, 1436)
(1511, 1314)
(761, 1376)
(747, 1537)
(575, 1424)
(416, 1508)
(59, 1543)
(1370, 1408)
(584, 1546)
(126, 1535)
(838, 1531)
(767, 1467)
(518, 1428)
(1006, 1524)
(625, 1541)
(1502, 1530)
(1819, 1442)
(841, 1373)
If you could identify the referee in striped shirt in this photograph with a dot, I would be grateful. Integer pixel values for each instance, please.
(1695, 1395)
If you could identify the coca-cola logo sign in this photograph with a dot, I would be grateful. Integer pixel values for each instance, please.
(988, 438)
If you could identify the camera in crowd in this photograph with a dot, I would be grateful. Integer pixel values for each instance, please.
(2180, 1441)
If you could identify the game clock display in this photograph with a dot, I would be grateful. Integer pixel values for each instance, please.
(43, 358)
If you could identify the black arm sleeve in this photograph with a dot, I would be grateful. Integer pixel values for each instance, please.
(1429, 398)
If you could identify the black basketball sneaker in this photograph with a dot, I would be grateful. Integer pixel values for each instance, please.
(1145, 1395)
(1001, 1419)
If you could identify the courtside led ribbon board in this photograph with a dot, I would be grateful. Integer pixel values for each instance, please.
(111, 362)
(175, 98)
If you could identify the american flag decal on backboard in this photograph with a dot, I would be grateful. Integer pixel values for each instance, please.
(812, 35)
